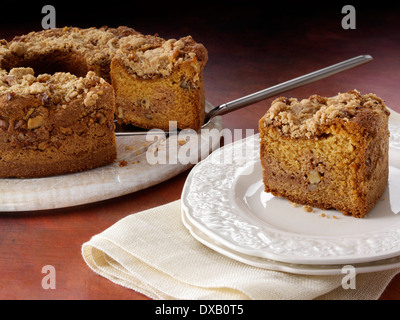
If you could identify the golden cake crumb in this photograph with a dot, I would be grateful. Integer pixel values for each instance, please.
(308, 209)
(123, 163)
(182, 142)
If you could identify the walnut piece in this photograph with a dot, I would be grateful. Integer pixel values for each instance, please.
(314, 177)
(4, 124)
(34, 123)
(100, 117)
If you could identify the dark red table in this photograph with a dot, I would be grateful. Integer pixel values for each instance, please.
(249, 49)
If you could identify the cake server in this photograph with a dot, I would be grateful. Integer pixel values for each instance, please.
(272, 91)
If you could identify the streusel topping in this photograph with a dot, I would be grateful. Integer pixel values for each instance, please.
(59, 88)
(303, 118)
(95, 44)
(149, 57)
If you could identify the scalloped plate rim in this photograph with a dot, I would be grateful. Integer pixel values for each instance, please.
(273, 255)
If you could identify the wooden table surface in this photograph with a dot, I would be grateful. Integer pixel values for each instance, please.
(249, 49)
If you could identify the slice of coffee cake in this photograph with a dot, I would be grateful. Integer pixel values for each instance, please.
(327, 152)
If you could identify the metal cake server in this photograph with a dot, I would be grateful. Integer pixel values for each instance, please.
(272, 91)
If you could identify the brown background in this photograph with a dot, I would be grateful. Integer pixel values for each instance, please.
(251, 47)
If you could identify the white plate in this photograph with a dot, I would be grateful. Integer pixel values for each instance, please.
(224, 199)
(113, 180)
(305, 269)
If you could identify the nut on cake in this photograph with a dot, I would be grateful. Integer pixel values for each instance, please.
(327, 152)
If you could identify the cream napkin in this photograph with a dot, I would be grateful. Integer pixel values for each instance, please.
(153, 253)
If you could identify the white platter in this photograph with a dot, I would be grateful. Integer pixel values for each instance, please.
(113, 180)
(223, 199)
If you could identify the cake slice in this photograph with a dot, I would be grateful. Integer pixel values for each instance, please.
(54, 124)
(157, 81)
(327, 152)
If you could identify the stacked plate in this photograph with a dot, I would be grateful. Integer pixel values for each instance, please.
(224, 206)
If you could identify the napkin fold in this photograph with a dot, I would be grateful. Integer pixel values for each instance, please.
(152, 252)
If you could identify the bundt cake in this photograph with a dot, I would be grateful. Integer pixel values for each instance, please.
(327, 152)
(61, 88)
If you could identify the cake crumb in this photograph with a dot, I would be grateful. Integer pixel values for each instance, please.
(308, 209)
(123, 163)
(182, 142)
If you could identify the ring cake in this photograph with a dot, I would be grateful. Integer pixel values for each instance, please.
(327, 152)
(61, 89)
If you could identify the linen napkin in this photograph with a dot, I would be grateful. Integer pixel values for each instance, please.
(153, 253)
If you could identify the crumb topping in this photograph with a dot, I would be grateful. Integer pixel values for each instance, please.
(304, 118)
(95, 44)
(59, 88)
(149, 56)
